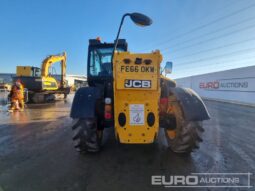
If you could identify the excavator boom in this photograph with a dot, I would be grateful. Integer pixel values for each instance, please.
(50, 60)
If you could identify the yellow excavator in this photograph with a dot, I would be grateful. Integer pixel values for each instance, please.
(42, 86)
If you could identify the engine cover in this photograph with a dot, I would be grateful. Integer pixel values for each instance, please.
(136, 96)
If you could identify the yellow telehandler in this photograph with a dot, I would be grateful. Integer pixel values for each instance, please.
(128, 92)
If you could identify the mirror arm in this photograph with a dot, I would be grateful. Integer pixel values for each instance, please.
(117, 37)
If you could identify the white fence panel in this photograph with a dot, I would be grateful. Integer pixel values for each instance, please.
(236, 85)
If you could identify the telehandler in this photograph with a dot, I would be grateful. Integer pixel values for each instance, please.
(127, 91)
(41, 85)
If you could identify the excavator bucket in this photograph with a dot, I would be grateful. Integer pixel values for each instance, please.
(136, 96)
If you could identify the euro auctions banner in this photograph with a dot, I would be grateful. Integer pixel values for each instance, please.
(235, 85)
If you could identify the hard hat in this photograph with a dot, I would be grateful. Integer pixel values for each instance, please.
(18, 82)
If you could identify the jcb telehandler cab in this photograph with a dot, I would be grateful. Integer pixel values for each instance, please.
(128, 92)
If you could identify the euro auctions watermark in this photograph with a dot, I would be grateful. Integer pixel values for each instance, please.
(196, 180)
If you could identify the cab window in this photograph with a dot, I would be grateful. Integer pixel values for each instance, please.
(100, 61)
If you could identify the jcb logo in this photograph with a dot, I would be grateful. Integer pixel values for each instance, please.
(137, 83)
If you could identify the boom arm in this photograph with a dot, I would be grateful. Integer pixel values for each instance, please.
(47, 62)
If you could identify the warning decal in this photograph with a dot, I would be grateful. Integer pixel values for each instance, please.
(136, 112)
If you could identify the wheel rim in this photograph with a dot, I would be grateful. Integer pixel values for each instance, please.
(171, 134)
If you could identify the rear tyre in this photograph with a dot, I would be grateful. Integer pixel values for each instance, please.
(85, 135)
(186, 135)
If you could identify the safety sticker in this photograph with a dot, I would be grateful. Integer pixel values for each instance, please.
(136, 114)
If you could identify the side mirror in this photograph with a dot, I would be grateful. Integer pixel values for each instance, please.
(140, 19)
(168, 67)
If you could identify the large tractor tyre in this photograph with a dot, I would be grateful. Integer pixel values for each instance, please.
(86, 137)
(185, 136)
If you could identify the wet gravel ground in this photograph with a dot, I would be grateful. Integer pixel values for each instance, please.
(36, 153)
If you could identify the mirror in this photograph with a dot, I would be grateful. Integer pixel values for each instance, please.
(168, 67)
(140, 19)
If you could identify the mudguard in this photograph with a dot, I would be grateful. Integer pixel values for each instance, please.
(192, 105)
(84, 102)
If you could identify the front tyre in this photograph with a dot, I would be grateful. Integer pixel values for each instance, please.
(85, 135)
